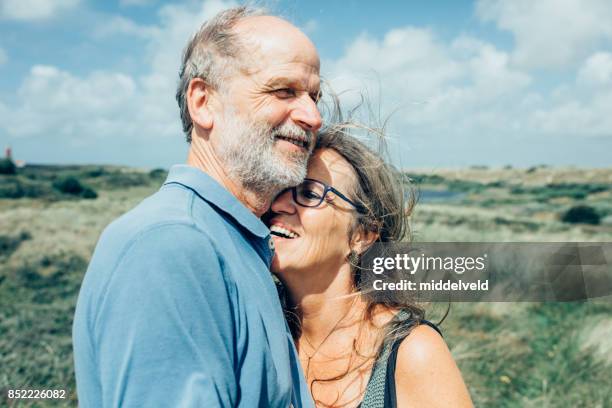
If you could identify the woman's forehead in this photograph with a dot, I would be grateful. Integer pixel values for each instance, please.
(330, 167)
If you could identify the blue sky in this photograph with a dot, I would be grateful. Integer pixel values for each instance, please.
(487, 82)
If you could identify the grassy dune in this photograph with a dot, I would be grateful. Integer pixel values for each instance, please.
(524, 354)
(511, 354)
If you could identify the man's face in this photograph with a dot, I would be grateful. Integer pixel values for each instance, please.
(250, 154)
(271, 109)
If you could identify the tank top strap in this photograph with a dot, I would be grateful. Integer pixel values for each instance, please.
(380, 391)
(374, 396)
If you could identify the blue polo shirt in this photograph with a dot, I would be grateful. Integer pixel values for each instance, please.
(178, 308)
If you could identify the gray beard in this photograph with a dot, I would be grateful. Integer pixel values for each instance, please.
(251, 160)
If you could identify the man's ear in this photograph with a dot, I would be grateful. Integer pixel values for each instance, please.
(362, 240)
(199, 103)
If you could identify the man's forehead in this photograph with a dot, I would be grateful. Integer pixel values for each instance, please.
(265, 25)
(294, 77)
(271, 40)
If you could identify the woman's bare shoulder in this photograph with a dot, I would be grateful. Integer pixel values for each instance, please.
(426, 373)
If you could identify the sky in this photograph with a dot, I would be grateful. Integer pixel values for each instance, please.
(485, 82)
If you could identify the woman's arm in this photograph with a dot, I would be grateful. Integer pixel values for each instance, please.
(426, 374)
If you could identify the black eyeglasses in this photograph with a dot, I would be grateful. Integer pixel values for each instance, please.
(311, 193)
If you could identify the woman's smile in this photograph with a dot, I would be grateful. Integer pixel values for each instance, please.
(279, 230)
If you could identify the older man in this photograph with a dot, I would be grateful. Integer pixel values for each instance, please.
(178, 307)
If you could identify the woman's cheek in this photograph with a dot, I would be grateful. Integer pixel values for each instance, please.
(326, 249)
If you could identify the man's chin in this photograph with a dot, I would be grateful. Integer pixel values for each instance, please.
(294, 175)
(294, 165)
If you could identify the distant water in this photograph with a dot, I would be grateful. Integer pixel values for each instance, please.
(439, 196)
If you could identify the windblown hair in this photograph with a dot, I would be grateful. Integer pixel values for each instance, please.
(385, 201)
(213, 50)
(379, 192)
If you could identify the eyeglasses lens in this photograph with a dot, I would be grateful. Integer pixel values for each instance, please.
(310, 193)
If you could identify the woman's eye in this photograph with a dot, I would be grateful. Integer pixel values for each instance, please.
(285, 93)
(310, 194)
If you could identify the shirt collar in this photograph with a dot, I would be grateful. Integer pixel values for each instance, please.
(210, 190)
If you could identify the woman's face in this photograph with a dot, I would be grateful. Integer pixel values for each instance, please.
(319, 237)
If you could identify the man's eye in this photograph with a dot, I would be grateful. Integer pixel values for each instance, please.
(284, 93)
(315, 96)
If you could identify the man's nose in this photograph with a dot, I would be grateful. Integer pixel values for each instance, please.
(283, 203)
(306, 114)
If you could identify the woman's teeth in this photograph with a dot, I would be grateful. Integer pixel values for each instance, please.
(282, 232)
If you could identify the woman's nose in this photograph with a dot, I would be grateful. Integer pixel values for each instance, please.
(283, 203)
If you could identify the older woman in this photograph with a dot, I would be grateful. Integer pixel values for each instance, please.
(355, 350)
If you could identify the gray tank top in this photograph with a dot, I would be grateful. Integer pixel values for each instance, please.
(380, 391)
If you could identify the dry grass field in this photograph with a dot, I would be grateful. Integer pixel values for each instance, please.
(511, 354)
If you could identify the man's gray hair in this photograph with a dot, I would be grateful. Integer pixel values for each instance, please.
(214, 48)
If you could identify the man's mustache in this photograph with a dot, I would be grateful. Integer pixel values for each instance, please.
(294, 131)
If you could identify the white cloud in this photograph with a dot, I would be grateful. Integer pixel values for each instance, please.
(551, 33)
(452, 95)
(576, 117)
(55, 102)
(582, 107)
(101, 110)
(459, 95)
(597, 69)
(408, 62)
(3, 57)
(122, 25)
(177, 24)
(432, 83)
(28, 10)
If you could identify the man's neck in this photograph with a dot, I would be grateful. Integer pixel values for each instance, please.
(202, 156)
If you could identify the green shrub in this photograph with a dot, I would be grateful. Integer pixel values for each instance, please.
(37, 189)
(496, 184)
(72, 186)
(518, 189)
(576, 191)
(89, 193)
(158, 173)
(68, 185)
(97, 172)
(10, 188)
(7, 166)
(581, 214)
(466, 186)
(120, 180)
(23, 187)
(10, 243)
